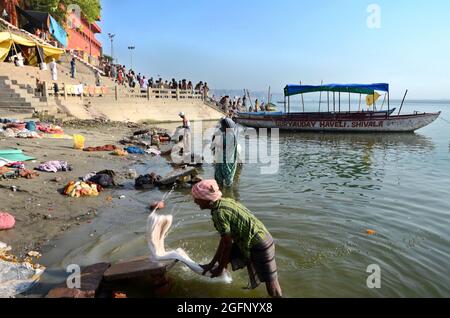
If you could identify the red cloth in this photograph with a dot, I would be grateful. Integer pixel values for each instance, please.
(102, 148)
(7, 221)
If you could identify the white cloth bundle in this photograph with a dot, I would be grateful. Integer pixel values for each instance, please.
(157, 228)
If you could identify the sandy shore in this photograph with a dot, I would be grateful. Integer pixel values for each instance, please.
(41, 211)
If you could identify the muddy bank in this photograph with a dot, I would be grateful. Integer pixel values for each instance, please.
(41, 211)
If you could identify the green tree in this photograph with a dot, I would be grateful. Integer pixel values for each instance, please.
(91, 9)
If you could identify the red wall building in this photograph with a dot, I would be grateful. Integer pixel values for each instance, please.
(82, 39)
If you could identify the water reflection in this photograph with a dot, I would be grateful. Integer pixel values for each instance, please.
(339, 161)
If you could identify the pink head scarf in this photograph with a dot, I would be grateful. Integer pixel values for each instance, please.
(207, 190)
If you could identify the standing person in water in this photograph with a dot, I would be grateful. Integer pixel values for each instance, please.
(187, 133)
(226, 152)
(245, 240)
(256, 106)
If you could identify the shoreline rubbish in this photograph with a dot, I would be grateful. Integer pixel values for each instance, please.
(17, 276)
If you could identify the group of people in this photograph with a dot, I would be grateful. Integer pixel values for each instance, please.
(129, 78)
(245, 241)
(240, 104)
(232, 107)
(41, 34)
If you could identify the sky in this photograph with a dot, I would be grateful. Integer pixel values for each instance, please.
(254, 44)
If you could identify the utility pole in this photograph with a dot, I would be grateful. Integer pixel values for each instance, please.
(131, 48)
(111, 37)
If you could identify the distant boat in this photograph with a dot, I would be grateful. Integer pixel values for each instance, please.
(335, 119)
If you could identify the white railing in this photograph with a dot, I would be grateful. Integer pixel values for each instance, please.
(117, 93)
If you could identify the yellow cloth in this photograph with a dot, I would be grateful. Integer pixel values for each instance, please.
(372, 99)
(120, 152)
(7, 39)
(81, 189)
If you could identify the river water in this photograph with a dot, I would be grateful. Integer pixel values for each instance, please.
(329, 190)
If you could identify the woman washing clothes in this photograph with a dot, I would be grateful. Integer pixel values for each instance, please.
(225, 148)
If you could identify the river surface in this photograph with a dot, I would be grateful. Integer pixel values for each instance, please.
(329, 190)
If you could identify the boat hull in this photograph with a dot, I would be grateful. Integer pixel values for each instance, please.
(328, 122)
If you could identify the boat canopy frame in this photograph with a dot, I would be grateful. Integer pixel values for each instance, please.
(366, 89)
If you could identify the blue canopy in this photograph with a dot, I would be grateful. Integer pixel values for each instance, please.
(44, 21)
(58, 32)
(368, 89)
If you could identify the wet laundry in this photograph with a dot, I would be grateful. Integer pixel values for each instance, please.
(148, 180)
(157, 229)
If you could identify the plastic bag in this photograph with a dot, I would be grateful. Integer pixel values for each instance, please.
(78, 142)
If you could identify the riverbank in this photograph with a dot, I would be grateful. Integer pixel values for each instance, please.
(41, 211)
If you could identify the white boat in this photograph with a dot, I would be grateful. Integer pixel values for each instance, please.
(336, 120)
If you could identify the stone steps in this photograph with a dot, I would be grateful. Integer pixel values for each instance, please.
(8, 95)
(14, 103)
(17, 109)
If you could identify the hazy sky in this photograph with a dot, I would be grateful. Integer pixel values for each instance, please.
(252, 44)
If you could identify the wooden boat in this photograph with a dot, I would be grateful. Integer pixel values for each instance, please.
(336, 120)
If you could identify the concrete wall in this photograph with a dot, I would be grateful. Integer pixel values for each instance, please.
(132, 110)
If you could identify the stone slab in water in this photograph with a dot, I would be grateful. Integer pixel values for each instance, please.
(91, 280)
(138, 267)
(173, 177)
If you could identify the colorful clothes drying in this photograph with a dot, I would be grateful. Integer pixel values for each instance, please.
(120, 152)
(50, 129)
(54, 166)
(101, 148)
(82, 189)
(135, 150)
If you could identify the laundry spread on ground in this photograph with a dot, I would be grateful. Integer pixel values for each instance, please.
(135, 150)
(120, 152)
(103, 178)
(54, 166)
(14, 155)
(82, 189)
(157, 229)
(29, 130)
(101, 148)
